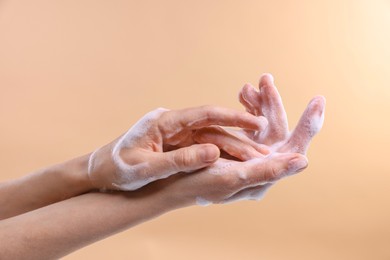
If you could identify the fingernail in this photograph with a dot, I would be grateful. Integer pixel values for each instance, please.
(209, 154)
(296, 165)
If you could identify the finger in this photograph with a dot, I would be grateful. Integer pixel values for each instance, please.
(308, 126)
(273, 110)
(138, 173)
(271, 168)
(250, 99)
(195, 118)
(185, 159)
(248, 107)
(264, 149)
(251, 193)
(243, 149)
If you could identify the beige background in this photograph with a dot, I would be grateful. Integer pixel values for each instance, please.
(76, 74)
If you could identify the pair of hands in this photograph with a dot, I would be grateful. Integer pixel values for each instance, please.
(178, 152)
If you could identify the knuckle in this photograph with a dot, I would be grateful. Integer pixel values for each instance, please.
(183, 159)
(271, 173)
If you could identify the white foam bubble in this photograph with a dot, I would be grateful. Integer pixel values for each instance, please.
(316, 123)
(202, 202)
(242, 175)
(132, 177)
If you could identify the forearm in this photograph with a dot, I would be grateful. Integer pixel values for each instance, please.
(44, 187)
(58, 229)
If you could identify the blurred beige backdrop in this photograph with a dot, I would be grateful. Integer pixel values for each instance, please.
(76, 74)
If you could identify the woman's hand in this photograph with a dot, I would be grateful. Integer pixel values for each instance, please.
(161, 144)
(274, 139)
(228, 180)
(268, 103)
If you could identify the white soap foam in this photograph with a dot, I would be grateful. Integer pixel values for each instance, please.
(220, 167)
(316, 123)
(259, 195)
(265, 183)
(202, 202)
(242, 175)
(91, 162)
(132, 177)
(252, 193)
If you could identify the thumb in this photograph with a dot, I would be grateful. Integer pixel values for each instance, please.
(274, 167)
(290, 164)
(192, 158)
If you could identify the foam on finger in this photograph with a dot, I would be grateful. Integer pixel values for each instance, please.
(308, 126)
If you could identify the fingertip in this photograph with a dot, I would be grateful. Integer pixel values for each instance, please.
(243, 88)
(322, 98)
(243, 96)
(266, 79)
(297, 163)
(247, 85)
(318, 100)
(209, 153)
(248, 92)
(299, 156)
(317, 114)
(317, 103)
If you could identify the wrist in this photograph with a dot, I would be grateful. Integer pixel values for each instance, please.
(75, 172)
(168, 193)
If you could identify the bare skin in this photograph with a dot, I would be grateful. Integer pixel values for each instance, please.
(60, 228)
(145, 153)
(275, 138)
(165, 138)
